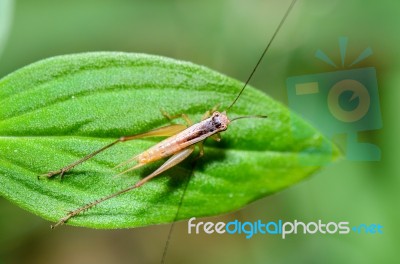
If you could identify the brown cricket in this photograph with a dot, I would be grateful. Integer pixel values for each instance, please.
(180, 143)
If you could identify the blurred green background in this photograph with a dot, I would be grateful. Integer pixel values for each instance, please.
(227, 36)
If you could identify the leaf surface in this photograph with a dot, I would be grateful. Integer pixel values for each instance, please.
(58, 110)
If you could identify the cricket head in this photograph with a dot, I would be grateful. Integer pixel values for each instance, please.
(220, 120)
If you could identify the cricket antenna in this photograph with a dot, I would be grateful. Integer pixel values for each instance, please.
(263, 53)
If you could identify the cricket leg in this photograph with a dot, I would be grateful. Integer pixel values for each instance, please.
(201, 150)
(158, 132)
(172, 161)
(172, 117)
(208, 113)
(216, 137)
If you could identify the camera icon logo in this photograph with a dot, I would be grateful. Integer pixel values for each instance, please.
(342, 101)
(358, 90)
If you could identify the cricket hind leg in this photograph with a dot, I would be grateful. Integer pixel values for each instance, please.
(158, 132)
(172, 161)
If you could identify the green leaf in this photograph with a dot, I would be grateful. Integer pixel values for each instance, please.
(57, 110)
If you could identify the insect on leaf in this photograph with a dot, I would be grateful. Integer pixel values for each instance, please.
(58, 110)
